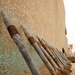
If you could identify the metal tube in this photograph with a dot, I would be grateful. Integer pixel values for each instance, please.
(63, 64)
(61, 59)
(57, 57)
(50, 53)
(48, 56)
(63, 56)
(40, 53)
(50, 59)
(65, 59)
(16, 37)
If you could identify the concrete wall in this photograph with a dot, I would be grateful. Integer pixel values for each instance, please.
(45, 18)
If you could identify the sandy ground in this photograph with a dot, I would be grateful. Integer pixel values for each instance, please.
(44, 71)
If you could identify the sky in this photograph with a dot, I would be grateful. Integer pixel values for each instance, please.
(70, 21)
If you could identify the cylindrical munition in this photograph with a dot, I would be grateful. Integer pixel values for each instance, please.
(50, 46)
(48, 56)
(15, 35)
(58, 56)
(57, 69)
(40, 53)
(65, 62)
(63, 56)
(68, 67)
(50, 53)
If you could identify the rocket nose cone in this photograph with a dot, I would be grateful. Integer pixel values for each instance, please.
(6, 19)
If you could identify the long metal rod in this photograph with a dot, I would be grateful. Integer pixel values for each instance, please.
(48, 56)
(58, 57)
(38, 50)
(65, 66)
(16, 37)
(53, 55)
(61, 59)
(56, 67)
(50, 53)
(63, 56)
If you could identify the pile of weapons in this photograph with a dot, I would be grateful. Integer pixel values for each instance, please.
(56, 62)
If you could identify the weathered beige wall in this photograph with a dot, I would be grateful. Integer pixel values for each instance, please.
(45, 18)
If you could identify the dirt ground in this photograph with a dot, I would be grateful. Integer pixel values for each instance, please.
(44, 71)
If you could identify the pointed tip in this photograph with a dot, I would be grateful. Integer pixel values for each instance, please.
(43, 39)
(37, 36)
(22, 27)
(26, 32)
